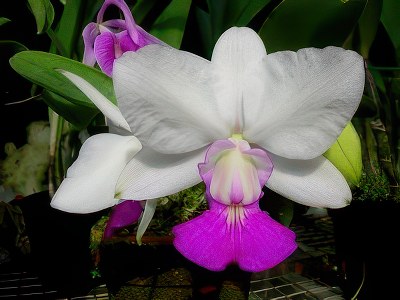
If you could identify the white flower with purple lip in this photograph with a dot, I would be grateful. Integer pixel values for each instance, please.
(106, 41)
(243, 120)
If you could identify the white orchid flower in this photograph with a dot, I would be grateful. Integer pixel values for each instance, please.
(243, 120)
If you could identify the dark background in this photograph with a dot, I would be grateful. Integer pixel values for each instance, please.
(59, 241)
(14, 88)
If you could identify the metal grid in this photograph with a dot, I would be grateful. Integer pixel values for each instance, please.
(25, 285)
(20, 285)
(294, 287)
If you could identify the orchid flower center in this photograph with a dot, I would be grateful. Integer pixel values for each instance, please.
(235, 178)
(234, 172)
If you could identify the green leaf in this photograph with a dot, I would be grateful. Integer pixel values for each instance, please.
(363, 35)
(43, 12)
(91, 8)
(170, 25)
(217, 10)
(241, 12)
(391, 20)
(11, 47)
(296, 24)
(4, 21)
(249, 11)
(78, 115)
(225, 14)
(368, 25)
(68, 30)
(41, 69)
(203, 19)
(141, 9)
(345, 155)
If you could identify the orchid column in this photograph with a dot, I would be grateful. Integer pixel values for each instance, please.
(243, 120)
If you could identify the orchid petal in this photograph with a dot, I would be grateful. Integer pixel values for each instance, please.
(89, 35)
(120, 4)
(309, 97)
(263, 242)
(149, 210)
(125, 43)
(115, 25)
(163, 93)
(255, 242)
(237, 52)
(152, 175)
(145, 38)
(90, 182)
(122, 215)
(204, 240)
(105, 51)
(136, 33)
(109, 46)
(313, 182)
(103, 104)
(129, 21)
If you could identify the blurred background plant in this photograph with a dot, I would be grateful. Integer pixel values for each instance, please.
(370, 27)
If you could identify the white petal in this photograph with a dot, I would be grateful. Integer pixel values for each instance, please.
(237, 55)
(110, 110)
(313, 182)
(164, 94)
(151, 174)
(309, 97)
(149, 210)
(90, 182)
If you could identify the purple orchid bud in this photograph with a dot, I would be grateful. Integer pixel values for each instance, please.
(105, 41)
(123, 214)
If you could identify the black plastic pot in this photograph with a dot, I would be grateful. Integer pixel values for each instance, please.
(59, 243)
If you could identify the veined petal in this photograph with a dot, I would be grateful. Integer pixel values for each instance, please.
(313, 182)
(164, 95)
(125, 43)
(152, 175)
(205, 241)
(90, 182)
(122, 215)
(89, 35)
(309, 97)
(263, 242)
(109, 46)
(249, 238)
(105, 49)
(103, 104)
(237, 53)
